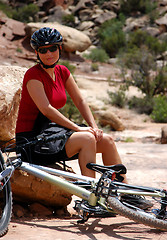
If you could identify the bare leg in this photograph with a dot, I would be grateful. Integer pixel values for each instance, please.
(83, 143)
(110, 155)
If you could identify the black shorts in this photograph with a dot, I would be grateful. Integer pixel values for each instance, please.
(32, 155)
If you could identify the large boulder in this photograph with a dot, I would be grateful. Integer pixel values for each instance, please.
(107, 118)
(74, 40)
(27, 188)
(10, 91)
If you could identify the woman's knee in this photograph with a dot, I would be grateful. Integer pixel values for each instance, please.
(107, 139)
(88, 138)
(106, 142)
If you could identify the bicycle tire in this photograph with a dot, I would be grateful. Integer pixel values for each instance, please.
(139, 216)
(5, 203)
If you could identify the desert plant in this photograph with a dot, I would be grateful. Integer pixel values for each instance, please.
(68, 20)
(97, 55)
(131, 6)
(141, 105)
(112, 37)
(118, 98)
(6, 9)
(25, 13)
(94, 67)
(142, 63)
(159, 113)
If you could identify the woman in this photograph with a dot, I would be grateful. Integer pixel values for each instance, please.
(43, 93)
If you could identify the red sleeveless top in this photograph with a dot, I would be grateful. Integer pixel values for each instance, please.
(55, 91)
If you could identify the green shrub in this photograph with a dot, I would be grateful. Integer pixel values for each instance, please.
(142, 62)
(130, 6)
(24, 14)
(141, 105)
(68, 20)
(118, 98)
(6, 9)
(97, 55)
(112, 37)
(159, 113)
(94, 67)
(140, 38)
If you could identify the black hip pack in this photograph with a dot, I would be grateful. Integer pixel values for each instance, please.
(44, 126)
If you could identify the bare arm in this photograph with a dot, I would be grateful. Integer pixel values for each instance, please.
(37, 93)
(82, 106)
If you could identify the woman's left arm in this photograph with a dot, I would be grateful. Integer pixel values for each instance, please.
(82, 105)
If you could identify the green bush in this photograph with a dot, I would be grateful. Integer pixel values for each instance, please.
(142, 62)
(118, 98)
(6, 9)
(24, 14)
(94, 67)
(141, 38)
(112, 37)
(141, 105)
(97, 55)
(130, 6)
(159, 113)
(68, 20)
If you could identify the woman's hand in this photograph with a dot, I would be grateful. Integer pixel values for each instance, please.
(98, 133)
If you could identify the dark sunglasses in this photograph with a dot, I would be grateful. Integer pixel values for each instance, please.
(51, 49)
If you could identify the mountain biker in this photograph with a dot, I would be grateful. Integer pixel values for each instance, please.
(43, 93)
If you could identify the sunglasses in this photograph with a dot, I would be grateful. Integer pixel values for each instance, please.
(51, 49)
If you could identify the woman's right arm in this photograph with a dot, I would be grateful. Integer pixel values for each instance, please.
(36, 90)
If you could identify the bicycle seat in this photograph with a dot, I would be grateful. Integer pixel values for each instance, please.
(118, 168)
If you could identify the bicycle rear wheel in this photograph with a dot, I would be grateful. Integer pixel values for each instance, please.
(5, 201)
(145, 217)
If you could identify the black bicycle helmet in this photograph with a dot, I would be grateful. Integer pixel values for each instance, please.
(45, 36)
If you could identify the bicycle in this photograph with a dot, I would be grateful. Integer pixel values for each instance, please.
(98, 196)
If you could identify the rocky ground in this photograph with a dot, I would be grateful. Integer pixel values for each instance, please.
(145, 159)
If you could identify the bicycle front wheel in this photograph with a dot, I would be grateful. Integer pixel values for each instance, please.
(145, 217)
(5, 201)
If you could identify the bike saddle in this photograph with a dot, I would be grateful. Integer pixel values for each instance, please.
(118, 168)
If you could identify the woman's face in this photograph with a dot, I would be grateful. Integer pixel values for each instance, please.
(48, 54)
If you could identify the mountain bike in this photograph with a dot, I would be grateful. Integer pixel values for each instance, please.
(97, 196)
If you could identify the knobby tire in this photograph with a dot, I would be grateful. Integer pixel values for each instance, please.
(139, 216)
(5, 203)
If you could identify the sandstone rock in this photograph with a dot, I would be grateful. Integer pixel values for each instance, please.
(108, 118)
(74, 40)
(12, 28)
(162, 20)
(134, 24)
(40, 210)
(18, 211)
(10, 91)
(29, 189)
(164, 135)
(108, 15)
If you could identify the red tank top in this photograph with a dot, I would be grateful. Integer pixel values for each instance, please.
(55, 91)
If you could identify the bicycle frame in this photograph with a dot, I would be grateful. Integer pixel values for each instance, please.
(53, 176)
(44, 173)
